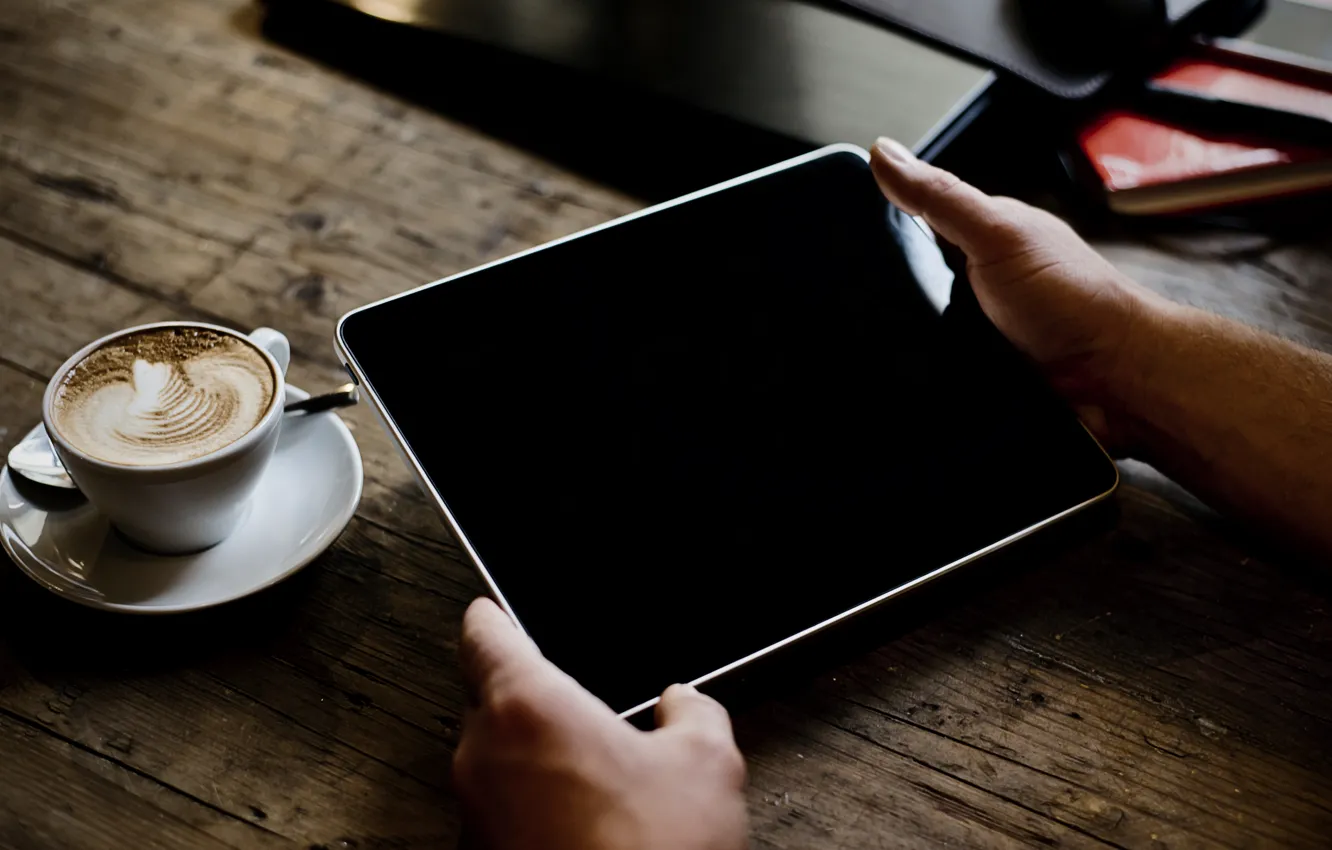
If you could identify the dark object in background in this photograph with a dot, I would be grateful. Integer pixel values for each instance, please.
(791, 68)
(1090, 35)
(643, 144)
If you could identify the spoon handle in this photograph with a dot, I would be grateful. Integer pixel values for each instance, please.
(343, 396)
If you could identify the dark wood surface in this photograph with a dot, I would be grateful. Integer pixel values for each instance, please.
(1157, 680)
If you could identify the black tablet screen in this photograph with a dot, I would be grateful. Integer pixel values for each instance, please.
(678, 440)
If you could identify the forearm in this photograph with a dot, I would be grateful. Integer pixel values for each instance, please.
(1240, 417)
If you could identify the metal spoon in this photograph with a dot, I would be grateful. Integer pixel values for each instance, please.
(343, 396)
(34, 459)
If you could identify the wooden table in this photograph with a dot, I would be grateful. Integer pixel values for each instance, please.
(1160, 682)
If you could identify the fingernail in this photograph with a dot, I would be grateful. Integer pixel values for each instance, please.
(894, 151)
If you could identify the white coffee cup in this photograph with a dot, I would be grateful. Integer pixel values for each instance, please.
(190, 505)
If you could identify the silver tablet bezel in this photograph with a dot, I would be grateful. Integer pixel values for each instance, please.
(368, 393)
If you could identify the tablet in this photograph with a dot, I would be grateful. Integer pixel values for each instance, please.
(679, 441)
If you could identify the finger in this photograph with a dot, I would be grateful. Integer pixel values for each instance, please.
(958, 211)
(684, 708)
(491, 646)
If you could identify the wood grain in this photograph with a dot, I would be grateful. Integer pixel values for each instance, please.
(1160, 681)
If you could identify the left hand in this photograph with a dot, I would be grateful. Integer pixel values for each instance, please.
(544, 764)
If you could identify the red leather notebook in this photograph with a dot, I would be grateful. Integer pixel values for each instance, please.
(1298, 91)
(1148, 166)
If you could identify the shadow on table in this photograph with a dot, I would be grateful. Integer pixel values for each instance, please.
(47, 633)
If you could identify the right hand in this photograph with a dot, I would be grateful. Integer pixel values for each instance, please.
(1056, 299)
(544, 764)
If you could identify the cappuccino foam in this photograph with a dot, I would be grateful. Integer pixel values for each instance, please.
(163, 396)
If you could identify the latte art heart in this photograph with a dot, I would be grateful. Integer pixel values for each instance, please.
(169, 408)
(164, 396)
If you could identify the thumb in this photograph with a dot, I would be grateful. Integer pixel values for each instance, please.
(493, 646)
(956, 210)
(700, 721)
(684, 708)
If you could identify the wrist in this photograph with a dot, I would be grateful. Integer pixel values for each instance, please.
(1152, 330)
(1105, 383)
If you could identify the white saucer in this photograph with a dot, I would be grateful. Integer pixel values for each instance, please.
(307, 496)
